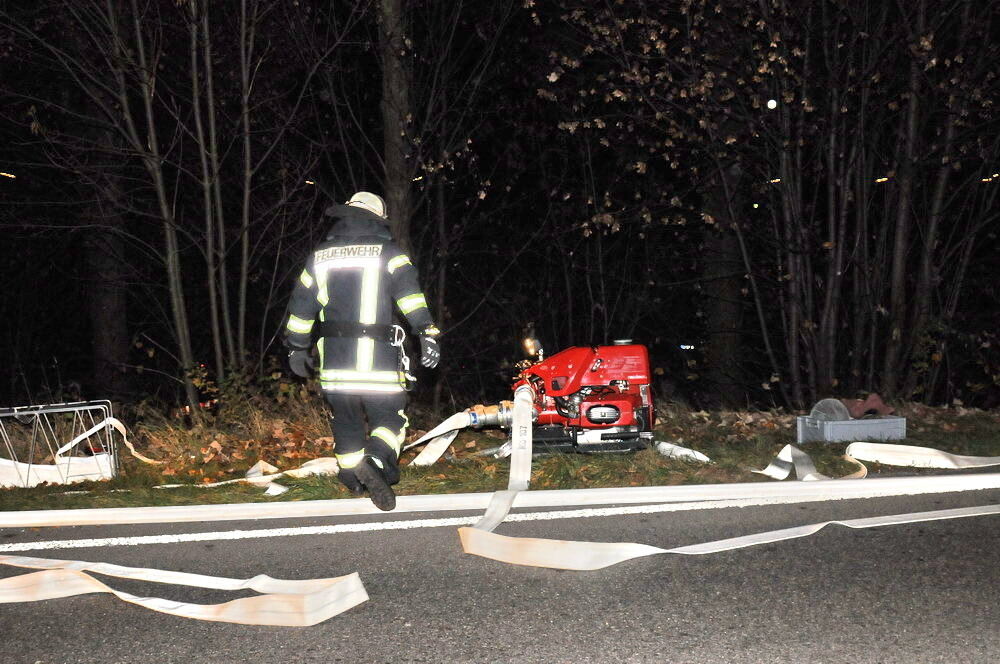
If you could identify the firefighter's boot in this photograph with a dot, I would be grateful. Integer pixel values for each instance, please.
(370, 474)
(349, 478)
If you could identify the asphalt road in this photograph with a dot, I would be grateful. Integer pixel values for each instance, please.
(916, 593)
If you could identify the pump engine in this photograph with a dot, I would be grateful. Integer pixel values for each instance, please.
(586, 399)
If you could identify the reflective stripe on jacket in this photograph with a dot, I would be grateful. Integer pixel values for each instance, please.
(357, 275)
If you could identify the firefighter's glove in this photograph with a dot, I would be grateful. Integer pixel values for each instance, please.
(301, 363)
(430, 351)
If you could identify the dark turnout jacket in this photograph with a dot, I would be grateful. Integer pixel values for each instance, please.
(345, 297)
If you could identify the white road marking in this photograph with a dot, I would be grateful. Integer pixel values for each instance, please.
(398, 525)
(543, 499)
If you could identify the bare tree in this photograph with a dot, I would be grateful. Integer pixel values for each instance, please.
(834, 147)
(165, 128)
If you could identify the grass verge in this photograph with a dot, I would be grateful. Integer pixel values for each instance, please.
(735, 441)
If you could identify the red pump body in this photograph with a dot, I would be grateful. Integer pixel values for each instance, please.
(593, 398)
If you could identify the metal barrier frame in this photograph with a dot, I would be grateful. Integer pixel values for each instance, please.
(43, 436)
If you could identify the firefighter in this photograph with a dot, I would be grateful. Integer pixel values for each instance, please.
(344, 298)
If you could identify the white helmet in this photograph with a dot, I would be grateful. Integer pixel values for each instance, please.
(368, 201)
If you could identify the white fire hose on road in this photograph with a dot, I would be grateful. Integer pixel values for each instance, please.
(308, 602)
(480, 539)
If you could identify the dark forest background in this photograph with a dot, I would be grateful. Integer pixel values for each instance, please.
(782, 199)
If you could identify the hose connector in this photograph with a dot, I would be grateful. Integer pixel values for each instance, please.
(500, 415)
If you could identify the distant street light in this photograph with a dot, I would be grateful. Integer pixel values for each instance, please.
(772, 104)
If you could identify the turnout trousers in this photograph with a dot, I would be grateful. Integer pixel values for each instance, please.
(381, 437)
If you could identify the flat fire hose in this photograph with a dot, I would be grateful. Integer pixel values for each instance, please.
(917, 457)
(308, 602)
(299, 603)
(479, 540)
(283, 603)
(792, 459)
(439, 439)
(114, 423)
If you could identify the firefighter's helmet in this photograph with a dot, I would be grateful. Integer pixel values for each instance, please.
(368, 201)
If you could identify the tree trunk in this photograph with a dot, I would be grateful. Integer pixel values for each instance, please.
(108, 305)
(248, 33)
(722, 279)
(442, 282)
(838, 204)
(927, 276)
(220, 217)
(153, 162)
(206, 193)
(899, 292)
(792, 250)
(397, 80)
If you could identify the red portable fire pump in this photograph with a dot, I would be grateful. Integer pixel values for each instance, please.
(586, 399)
